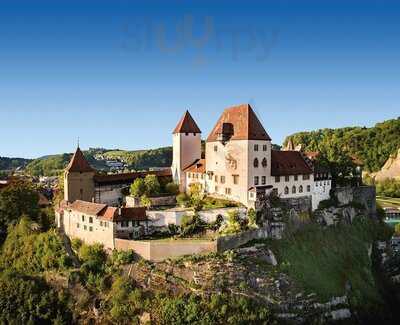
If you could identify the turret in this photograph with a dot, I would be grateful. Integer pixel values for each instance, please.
(78, 179)
(186, 147)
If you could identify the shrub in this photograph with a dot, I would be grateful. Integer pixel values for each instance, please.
(252, 216)
(76, 244)
(125, 301)
(122, 257)
(233, 224)
(93, 257)
(152, 185)
(30, 300)
(145, 201)
(28, 251)
(183, 200)
(138, 188)
(172, 188)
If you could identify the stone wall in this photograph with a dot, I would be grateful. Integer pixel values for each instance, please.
(233, 241)
(160, 250)
(169, 200)
(300, 204)
(365, 195)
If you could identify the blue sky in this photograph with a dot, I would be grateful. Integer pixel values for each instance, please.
(119, 74)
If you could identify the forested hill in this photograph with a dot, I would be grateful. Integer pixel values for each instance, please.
(372, 146)
(12, 163)
(137, 160)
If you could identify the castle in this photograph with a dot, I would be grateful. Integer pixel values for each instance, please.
(240, 164)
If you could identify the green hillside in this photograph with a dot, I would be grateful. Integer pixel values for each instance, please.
(138, 160)
(12, 163)
(372, 146)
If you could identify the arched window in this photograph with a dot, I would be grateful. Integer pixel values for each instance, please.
(301, 189)
(286, 190)
(264, 162)
(294, 189)
(256, 163)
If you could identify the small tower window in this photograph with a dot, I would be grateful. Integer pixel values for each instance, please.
(286, 190)
(256, 180)
(264, 162)
(265, 147)
(256, 147)
(301, 189)
(294, 189)
(256, 163)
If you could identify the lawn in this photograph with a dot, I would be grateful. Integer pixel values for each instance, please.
(387, 202)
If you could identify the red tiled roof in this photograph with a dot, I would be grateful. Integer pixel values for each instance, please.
(199, 166)
(288, 163)
(123, 214)
(79, 163)
(87, 207)
(242, 121)
(130, 177)
(312, 155)
(187, 125)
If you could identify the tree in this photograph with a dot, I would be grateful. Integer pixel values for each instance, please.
(152, 185)
(138, 188)
(183, 200)
(172, 188)
(233, 225)
(18, 199)
(30, 300)
(252, 216)
(145, 201)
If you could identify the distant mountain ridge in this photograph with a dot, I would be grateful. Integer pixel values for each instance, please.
(53, 165)
(373, 146)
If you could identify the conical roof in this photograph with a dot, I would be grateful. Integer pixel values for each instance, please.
(79, 163)
(187, 125)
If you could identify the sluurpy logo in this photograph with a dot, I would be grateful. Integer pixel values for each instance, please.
(210, 38)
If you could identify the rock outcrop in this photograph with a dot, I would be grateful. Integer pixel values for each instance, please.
(391, 169)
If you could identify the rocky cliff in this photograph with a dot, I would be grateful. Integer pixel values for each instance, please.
(391, 169)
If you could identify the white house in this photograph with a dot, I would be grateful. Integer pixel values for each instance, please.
(239, 161)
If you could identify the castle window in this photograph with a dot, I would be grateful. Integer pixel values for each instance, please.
(286, 190)
(301, 189)
(263, 180)
(256, 147)
(235, 179)
(306, 177)
(222, 179)
(186, 134)
(264, 162)
(296, 177)
(277, 179)
(294, 189)
(77, 225)
(255, 163)
(287, 178)
(215, 148)
(84, 227)
(228, 191)
(265, 147)
(83, 218)
(101, 223)
(90, 219)
(216, 179)
(256, 180)
(90, 228)
(308, 188)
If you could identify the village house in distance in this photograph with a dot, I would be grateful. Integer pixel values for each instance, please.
(238, 164)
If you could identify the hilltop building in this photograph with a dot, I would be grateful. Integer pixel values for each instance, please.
(82, 182)
(240, 163)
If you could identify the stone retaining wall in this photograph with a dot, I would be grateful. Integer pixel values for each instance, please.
(233, 241)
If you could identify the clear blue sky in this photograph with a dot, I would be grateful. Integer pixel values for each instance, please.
(119, 74)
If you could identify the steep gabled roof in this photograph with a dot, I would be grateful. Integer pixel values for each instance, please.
(243, 125)
(198, 166)
(187, 125)
(288, 163)
(90, 208)
(79, 163)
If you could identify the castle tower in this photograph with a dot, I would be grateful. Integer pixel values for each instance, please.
(78, 179)
(186, 148)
